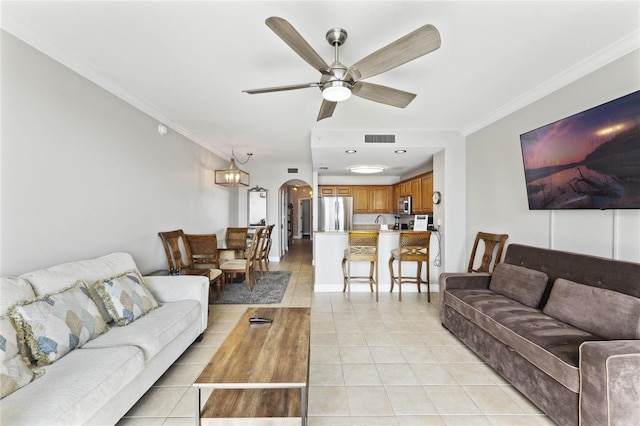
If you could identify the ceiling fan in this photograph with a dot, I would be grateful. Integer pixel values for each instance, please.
(337, 82)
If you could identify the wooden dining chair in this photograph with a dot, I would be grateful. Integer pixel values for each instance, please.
(236, 238)
(180, 260)
(204, 250)
(262, 255)
(362, 247)
(204, 255)
(243, 266)
(493, 245)
(413, 246)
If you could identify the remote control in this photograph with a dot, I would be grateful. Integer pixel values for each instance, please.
(260, 320)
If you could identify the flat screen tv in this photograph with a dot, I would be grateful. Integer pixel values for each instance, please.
(590, 160)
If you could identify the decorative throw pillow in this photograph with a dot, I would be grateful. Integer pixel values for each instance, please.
(126, 297)
(14, 372)
(519, 283)
(53, 325)
(605, 313)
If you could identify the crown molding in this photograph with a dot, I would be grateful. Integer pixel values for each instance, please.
(605, 56)
(61, 55)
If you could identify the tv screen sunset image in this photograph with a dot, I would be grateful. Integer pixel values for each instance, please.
(590, 160)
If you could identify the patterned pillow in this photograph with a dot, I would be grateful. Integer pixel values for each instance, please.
(126, 297)
(53, 325)
(14, 372)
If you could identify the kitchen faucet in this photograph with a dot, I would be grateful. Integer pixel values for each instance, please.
(384, 221)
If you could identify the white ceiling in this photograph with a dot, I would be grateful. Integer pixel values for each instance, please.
(186, 63)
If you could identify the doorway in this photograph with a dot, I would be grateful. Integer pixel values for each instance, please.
(305, 217)
(290, 213)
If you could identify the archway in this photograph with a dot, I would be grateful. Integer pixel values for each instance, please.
(291, 195)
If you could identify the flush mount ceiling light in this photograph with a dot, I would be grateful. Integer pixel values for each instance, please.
(233, 176)
(366, 169)
(351, 151)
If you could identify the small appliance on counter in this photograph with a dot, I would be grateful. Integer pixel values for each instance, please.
(421, 222)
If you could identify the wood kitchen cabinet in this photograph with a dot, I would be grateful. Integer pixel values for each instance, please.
(416, 195)
(366, 198)
(381, 199)
(420, 188)
(333, 190)
(361, 202)
(405, 188)
(427, 192)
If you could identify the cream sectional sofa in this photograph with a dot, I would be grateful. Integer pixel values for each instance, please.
(98, 382)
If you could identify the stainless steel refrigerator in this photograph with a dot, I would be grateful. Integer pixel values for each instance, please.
(335, 213)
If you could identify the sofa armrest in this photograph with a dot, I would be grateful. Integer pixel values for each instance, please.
(460, 280)
(610, 382)
(183, 287)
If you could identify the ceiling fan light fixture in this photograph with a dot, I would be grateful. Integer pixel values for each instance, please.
(336, 91)
(366, 169)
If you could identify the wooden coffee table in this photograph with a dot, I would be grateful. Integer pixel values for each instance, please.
(261, 371)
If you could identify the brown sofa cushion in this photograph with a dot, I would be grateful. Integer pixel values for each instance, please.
(518, 283)
(603, 312)
(548, 343)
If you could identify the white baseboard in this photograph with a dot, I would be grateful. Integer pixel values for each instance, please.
(364, 287)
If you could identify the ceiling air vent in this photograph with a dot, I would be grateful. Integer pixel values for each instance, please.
(292, 170)
(379, 138)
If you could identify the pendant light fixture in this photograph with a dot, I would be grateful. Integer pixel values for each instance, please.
(233, 176)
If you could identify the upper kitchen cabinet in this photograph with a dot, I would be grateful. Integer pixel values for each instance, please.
(416, 195)
(420, 188)
(372, 199)
(427, 192)
(381, 199)
(332, 191)
(361, 201)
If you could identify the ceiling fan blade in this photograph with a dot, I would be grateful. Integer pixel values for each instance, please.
(294, 40)
(281, 88)
(418, 43)
(382, 94)
(326, 109)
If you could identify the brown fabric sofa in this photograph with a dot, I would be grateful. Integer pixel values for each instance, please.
(563, 328)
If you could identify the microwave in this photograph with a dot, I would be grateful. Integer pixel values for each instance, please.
(404, 204)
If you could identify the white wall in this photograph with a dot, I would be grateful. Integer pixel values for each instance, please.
(84, 174)
(496, 192)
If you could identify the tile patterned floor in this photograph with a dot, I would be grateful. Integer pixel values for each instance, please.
(385, 363)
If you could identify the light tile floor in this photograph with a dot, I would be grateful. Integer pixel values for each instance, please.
(385, 363)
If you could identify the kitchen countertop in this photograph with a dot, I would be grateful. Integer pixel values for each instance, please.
(389, 231)
(328, 250)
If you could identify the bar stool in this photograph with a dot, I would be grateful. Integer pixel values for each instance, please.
(413, 247)
(363, 247)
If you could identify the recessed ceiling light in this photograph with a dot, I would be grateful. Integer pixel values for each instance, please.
(351, 151)
(400, 151)
(366, 169)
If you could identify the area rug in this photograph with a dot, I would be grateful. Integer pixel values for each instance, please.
(269, 289)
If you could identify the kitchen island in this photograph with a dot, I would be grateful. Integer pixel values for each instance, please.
(328, 251)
